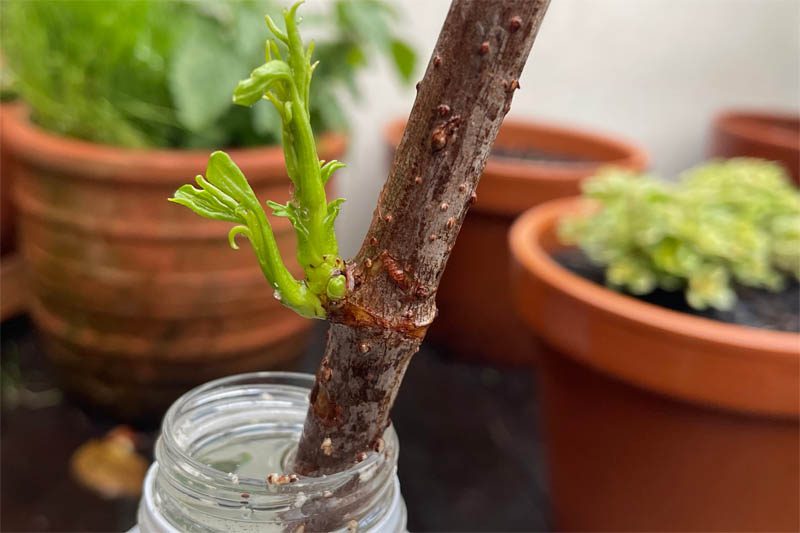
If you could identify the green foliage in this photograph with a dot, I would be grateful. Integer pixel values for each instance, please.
(224, 194)
(7, 92)
(735, 220)
(154, 73)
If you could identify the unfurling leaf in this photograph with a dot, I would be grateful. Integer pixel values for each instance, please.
(289, 211)
(333, 211)
(238, 230)
(327, 169)
(252, 89)
(204, 203)
(224, 193)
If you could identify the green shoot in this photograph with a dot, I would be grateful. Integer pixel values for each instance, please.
(224, 193)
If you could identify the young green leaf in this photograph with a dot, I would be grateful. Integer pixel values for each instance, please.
(327, 169)
(204, 203)
(224, 194)
(261, 80)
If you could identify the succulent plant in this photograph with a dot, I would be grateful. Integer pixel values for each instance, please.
(725, 221)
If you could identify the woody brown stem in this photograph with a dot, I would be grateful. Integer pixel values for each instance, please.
(461, 101)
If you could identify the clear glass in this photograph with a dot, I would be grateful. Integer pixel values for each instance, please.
(220, 441)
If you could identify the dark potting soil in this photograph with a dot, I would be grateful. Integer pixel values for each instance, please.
(538, 156)
(779, 311)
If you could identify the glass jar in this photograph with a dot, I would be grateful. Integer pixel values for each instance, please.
(220, 441)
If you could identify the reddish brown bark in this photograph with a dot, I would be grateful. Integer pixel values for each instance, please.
(461, 101)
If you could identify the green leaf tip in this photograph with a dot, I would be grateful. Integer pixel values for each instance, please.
(327, 169)
(293, 10)
(237, 230)
(277, 32)
(224, 193)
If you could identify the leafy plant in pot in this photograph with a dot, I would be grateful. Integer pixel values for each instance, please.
(138, 301)
(334, 467)
(531, 163)
(673, 406)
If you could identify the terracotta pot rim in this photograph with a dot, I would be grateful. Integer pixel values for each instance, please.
(527, 251)
(692, 359)
(510, 186)
(750, 124)
(93, 343)
(630, 155)
(88, 160)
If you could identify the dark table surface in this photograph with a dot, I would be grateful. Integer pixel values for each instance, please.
(470, 453)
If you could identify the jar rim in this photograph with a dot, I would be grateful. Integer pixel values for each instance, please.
(256, 486)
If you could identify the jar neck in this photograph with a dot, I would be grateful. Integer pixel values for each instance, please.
(219, 443)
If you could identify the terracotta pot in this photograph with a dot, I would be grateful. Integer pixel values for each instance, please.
(656, 420)
(7, 171)
(771, 136)
(138, 298)
(476, 319)
(13, 286)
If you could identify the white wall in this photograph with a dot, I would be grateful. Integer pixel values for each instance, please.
(654, 71)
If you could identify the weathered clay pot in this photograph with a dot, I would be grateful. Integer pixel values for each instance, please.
(771, 136)
(139, 299)
(476, 315)
(7, 213)
(656, 420)
(13, 288)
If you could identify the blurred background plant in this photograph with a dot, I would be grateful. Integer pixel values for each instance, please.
(7, 92)
(160, 74)
(724, 221)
